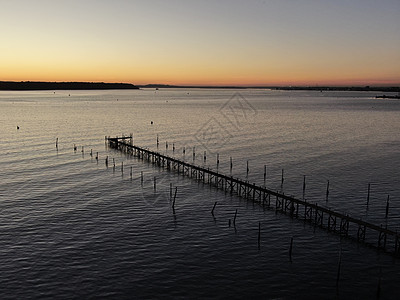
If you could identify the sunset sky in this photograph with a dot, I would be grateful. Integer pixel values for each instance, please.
(216, 42)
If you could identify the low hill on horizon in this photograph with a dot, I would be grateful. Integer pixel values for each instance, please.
(42, 85)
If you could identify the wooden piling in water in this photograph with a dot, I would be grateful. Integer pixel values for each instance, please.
(369, 188)
(234, 219)
(57, 143)
(327, 191)
(141, 177)
(212, 211)
(304, 186)
(338, 270)
(173, 203)
(387, 207)
(290, 249)
(205, 156)
(265, 174)
(155, 183)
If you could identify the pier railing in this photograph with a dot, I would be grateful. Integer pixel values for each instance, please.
(320, 216)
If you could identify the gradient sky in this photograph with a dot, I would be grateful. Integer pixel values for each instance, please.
(216, 42)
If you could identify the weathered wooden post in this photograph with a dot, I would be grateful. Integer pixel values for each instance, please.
(184, 150)
(74, 148)
(217, 160)
(158, 142)
(131, 173)
(57, 143)
(97, 156)
(205, 156)
(282, 179)
(173, 203)
(173, 147)
(387, 207)
(327, 191)
(231, 164)
(247, 169)
(338, 271)
(141, 177)
(170, 191)
(155, 183)
(304, 186)
(122, 167)
(369, 188)
(194, 153)
(91, 152)
(107, 161)
(212, 211)
(166, 144)
(378, 291)
(265, 175)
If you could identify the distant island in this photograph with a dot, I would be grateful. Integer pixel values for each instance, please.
(39, 85)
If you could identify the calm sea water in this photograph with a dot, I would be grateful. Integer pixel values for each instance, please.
(71, 227)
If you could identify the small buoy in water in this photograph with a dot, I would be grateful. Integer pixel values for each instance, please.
(17, 127)
(151, 122)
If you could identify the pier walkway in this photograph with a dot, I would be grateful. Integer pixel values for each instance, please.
(328, 219)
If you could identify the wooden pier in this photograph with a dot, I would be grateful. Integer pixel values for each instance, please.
(322, 217)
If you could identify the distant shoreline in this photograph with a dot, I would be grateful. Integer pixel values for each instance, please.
(44, 86)
(394, 89)
(41, 85)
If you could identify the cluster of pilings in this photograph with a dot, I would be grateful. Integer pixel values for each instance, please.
(322, 217)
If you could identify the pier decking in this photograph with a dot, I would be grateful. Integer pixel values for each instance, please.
(328, 219)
